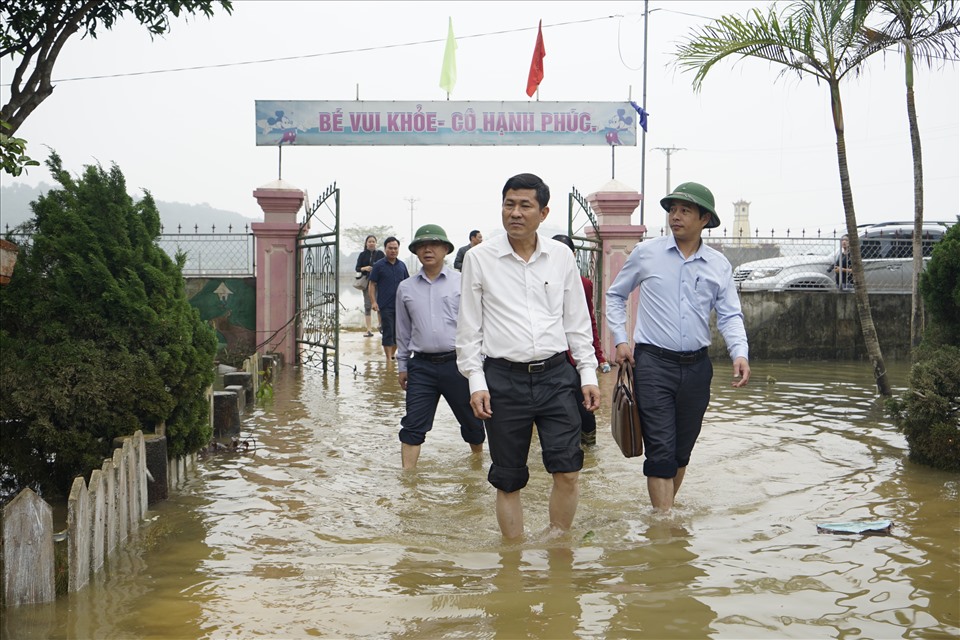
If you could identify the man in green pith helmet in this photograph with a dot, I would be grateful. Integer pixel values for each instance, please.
(427, 308)
(681, 280)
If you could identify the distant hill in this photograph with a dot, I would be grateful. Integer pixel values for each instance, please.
(15, 209)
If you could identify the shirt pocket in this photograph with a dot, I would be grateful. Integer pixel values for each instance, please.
(450, 307)
(705, 293)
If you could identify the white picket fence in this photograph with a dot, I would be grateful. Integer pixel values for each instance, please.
(101, 515)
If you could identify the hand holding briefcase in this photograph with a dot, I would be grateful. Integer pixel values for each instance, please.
(625, 423)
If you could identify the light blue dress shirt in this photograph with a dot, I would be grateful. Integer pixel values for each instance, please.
(677, 295)
(427, 315)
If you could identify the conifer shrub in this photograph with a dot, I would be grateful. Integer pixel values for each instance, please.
(928, 413)
(97, 335)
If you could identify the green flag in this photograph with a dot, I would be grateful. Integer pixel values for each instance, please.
(448, 74)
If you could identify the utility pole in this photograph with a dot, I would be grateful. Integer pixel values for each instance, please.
(668, 151)
(413, 258)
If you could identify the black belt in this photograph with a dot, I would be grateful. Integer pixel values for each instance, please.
(529, 367)
(435, 358)
(683, 357)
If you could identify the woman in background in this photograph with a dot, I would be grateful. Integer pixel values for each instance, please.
(365, 262)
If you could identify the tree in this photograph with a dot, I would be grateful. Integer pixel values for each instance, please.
(928, 412)
(940, 287)
(97, 335)
(924, 31)
(810, 38)
(356, 235)
(13, 160)
(36, 30)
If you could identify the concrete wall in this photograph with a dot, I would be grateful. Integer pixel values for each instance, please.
(819, 325)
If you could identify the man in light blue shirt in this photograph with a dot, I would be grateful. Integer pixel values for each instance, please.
(681, 281)
(427, 306)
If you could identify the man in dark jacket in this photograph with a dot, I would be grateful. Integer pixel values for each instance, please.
(475, 238)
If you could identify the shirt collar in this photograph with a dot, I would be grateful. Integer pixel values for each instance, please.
(699, 253)
(505, 249)
(443, 274)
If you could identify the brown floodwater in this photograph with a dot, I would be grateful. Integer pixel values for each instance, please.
(316, 532)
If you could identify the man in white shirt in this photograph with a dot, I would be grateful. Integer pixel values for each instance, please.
(521, 307)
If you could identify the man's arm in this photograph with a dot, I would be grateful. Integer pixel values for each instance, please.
(616, 307)
(469, 329)
(404, 328)
(372, 286)
(458, 261)
(470, 338)
(730, 325)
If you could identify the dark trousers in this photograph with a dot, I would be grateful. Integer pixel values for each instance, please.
(519, 400)
(672, 399)
(426, 383)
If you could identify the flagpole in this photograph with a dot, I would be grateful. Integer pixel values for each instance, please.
(643, 137)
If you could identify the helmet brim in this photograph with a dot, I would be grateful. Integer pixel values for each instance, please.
(443, 241)
(714, 218)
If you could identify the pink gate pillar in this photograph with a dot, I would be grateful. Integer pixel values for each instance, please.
(276, 246)
(614, 205)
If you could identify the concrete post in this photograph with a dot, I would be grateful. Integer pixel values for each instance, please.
(614, 205)
(276, 246)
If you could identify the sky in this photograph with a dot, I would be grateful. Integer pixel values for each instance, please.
(749, 134)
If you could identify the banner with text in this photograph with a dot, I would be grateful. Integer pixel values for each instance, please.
(308, 122)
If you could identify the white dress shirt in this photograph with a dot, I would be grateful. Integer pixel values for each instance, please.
(522, 311)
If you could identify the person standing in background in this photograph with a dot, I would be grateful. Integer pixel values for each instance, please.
(521, 310)
(385, 277)
(365, 262)
(681, 281)
(843, 270)
(475, 238)
(427, 307)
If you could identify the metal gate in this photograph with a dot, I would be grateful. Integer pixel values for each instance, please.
(588, 248)
(318, 284)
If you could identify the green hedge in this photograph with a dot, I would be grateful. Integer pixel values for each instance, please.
(97, 336)
(928, 413)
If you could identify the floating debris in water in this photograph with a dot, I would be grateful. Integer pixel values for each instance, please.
(866, 527)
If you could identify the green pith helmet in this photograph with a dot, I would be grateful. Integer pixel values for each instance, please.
(430, 233)
(697, 194)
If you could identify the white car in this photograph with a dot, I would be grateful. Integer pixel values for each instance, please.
(886, 249)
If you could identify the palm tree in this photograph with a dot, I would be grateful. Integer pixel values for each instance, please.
(924, 31)
(810, 38)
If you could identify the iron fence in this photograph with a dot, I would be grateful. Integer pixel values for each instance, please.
(229, 253)
(212, 254)
(875, 243)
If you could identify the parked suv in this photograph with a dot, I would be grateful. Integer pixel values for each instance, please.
(886, 249)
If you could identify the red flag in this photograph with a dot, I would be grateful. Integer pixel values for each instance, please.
(536, 65)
